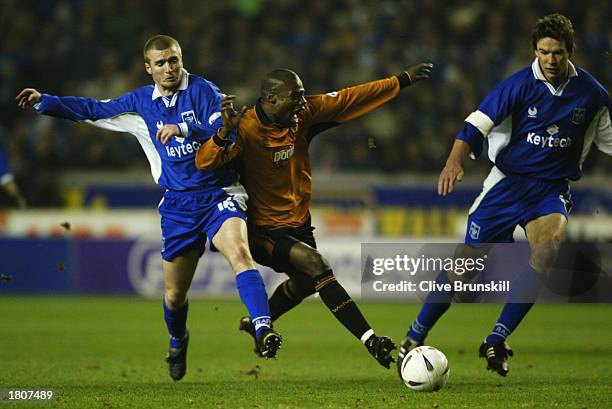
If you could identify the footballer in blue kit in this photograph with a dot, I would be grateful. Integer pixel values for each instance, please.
(171, 119)
(540, 124)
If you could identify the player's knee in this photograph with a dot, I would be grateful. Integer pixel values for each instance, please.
(465, 252)
(543, 256)
(301, 287)
(242, 253)
(175, 298)
(464, 277)
(315, 264)
(240, 258)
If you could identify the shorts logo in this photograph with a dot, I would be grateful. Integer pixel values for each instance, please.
(474, 231)
(578, 115)
(189, 116)
(227, 204)
(532, 112)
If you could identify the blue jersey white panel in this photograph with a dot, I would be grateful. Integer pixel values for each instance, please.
(195, 108)
(196, 203)
(538, 130)
(538, 136)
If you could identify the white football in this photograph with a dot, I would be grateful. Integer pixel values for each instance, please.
(425, 369)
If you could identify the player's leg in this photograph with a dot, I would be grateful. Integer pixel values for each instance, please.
(490, 220)
(178, 274)
(309, 260)
(182, 246)
(231, 240)
(287, 295)
(544, 210)
(290, 293)
(544, 235)
(271, 248)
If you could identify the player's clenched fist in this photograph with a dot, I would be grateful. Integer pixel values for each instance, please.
(27, 97)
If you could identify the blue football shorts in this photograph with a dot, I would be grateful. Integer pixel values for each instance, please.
(188, 218)
(510, 200)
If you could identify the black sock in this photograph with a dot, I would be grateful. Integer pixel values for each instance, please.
(340, 304)
(282, 300)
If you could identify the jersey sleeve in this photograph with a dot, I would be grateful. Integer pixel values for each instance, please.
(492, 111)
(210, 102)
(85, 109)
(473, 137)
(603, 133)
(334, 108)
(216, 152)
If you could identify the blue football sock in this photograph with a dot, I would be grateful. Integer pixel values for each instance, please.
(436, 304)
(176, 321)
(253, 294)
(522, 295)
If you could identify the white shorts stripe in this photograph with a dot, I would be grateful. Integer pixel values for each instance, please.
(495, 176)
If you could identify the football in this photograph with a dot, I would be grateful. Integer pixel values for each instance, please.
(425, 369)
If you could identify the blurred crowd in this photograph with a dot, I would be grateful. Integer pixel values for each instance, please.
(88, 48)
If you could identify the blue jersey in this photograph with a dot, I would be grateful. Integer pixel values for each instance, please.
(195, 108)
(537, 130)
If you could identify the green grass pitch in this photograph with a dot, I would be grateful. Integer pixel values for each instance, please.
(106, 352)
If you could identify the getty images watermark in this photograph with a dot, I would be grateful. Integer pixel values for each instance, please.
(409, 272)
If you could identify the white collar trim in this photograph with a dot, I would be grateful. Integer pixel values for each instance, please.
(182, 86)
(539, 75)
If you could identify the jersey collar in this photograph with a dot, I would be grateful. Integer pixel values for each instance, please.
(182, 86)
(539, 75)
(261, 115)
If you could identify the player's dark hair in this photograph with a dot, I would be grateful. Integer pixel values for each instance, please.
(159, 42)
(555, 26)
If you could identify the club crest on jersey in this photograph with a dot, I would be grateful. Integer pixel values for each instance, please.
(474, 231)
(578, 116)
(532, 112)
(190, 117)
(281, 156)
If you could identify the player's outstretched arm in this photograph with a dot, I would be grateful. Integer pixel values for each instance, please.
(220, 149)
(453, 171)
(27, 97)
(351, 103)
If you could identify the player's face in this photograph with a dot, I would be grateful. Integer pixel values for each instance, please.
(290, 102)
(553, 58)
(166, 68)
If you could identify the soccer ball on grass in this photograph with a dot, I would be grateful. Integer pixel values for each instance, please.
(425, 369)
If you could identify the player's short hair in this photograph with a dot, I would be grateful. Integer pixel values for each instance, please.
(555, 26)
(275, 79)
(160, 42)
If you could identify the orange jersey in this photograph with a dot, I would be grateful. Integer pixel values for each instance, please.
(274, 161)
